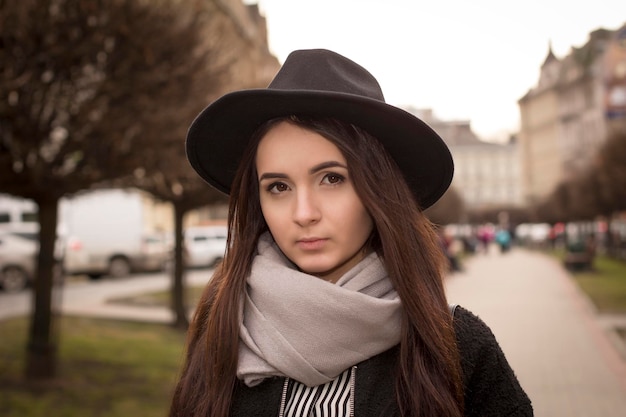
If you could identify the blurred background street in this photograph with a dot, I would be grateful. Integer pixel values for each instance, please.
(107, 234)
(567, 360)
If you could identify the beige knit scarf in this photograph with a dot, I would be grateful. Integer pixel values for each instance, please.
(303, 327)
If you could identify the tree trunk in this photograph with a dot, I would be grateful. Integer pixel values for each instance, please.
(178, 285)
(42, 344)
(611, 248)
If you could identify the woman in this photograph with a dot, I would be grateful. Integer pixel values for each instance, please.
(330, 299)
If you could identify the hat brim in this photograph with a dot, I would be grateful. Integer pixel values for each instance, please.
(220, 133)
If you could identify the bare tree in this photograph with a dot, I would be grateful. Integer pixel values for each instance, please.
(611, 170)
(86, 87)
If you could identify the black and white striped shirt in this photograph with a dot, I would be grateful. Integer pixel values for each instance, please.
(333, 399)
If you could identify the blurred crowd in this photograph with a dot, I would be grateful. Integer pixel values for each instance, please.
(579, 242)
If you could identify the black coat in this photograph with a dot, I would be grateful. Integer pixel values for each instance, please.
(491, 388)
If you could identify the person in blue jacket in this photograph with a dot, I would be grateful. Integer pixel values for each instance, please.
(330, 299)
(503, 239)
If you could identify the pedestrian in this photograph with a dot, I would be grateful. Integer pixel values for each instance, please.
(485, 235)
(503, 239)
(330, 299)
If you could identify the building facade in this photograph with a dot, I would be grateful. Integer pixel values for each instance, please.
(244, 29)
(485, 174)
(568, 115)
(488, 174)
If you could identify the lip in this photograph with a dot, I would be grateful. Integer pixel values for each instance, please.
(311, 243)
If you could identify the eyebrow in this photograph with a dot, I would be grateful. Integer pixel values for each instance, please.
(325, 165)
(313, 170)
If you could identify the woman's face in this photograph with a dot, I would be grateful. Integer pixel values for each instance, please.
(309, 203)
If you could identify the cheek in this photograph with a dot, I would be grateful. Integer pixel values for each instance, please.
(358, 218)
(273, 217)
(366, 223)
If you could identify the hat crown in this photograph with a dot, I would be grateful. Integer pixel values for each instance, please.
(323, 70)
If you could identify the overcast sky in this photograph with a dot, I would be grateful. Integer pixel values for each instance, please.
(468, 60)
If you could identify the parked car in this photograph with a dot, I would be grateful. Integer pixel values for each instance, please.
(18, 260)
(533, 234)
(204, 245)
(147, 253)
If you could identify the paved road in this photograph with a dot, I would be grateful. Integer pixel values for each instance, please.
(566, 359)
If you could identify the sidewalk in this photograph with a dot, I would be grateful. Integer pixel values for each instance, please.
(96, 304)
(567, 359)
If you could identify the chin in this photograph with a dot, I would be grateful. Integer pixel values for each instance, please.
(314, 269)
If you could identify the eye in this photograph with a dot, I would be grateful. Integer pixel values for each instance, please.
(277, 187)
(333, 178)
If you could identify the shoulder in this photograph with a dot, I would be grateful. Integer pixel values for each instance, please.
(476, 342)
(491, 386)
(472, 332)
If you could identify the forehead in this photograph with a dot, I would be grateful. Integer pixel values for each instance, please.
(289, 142)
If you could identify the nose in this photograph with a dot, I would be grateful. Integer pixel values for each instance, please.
(306, 210)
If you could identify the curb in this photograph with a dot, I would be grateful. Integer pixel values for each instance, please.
(612, 324)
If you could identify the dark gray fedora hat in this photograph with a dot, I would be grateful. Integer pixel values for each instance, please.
(320, 83)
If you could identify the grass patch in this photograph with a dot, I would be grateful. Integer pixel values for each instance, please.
(605, 285)
(105, 369)
(159, 298)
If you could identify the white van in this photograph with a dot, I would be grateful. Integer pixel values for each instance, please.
(112, 232)
(102, 232)
(204, 245)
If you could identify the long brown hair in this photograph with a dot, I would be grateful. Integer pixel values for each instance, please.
(428, 380)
